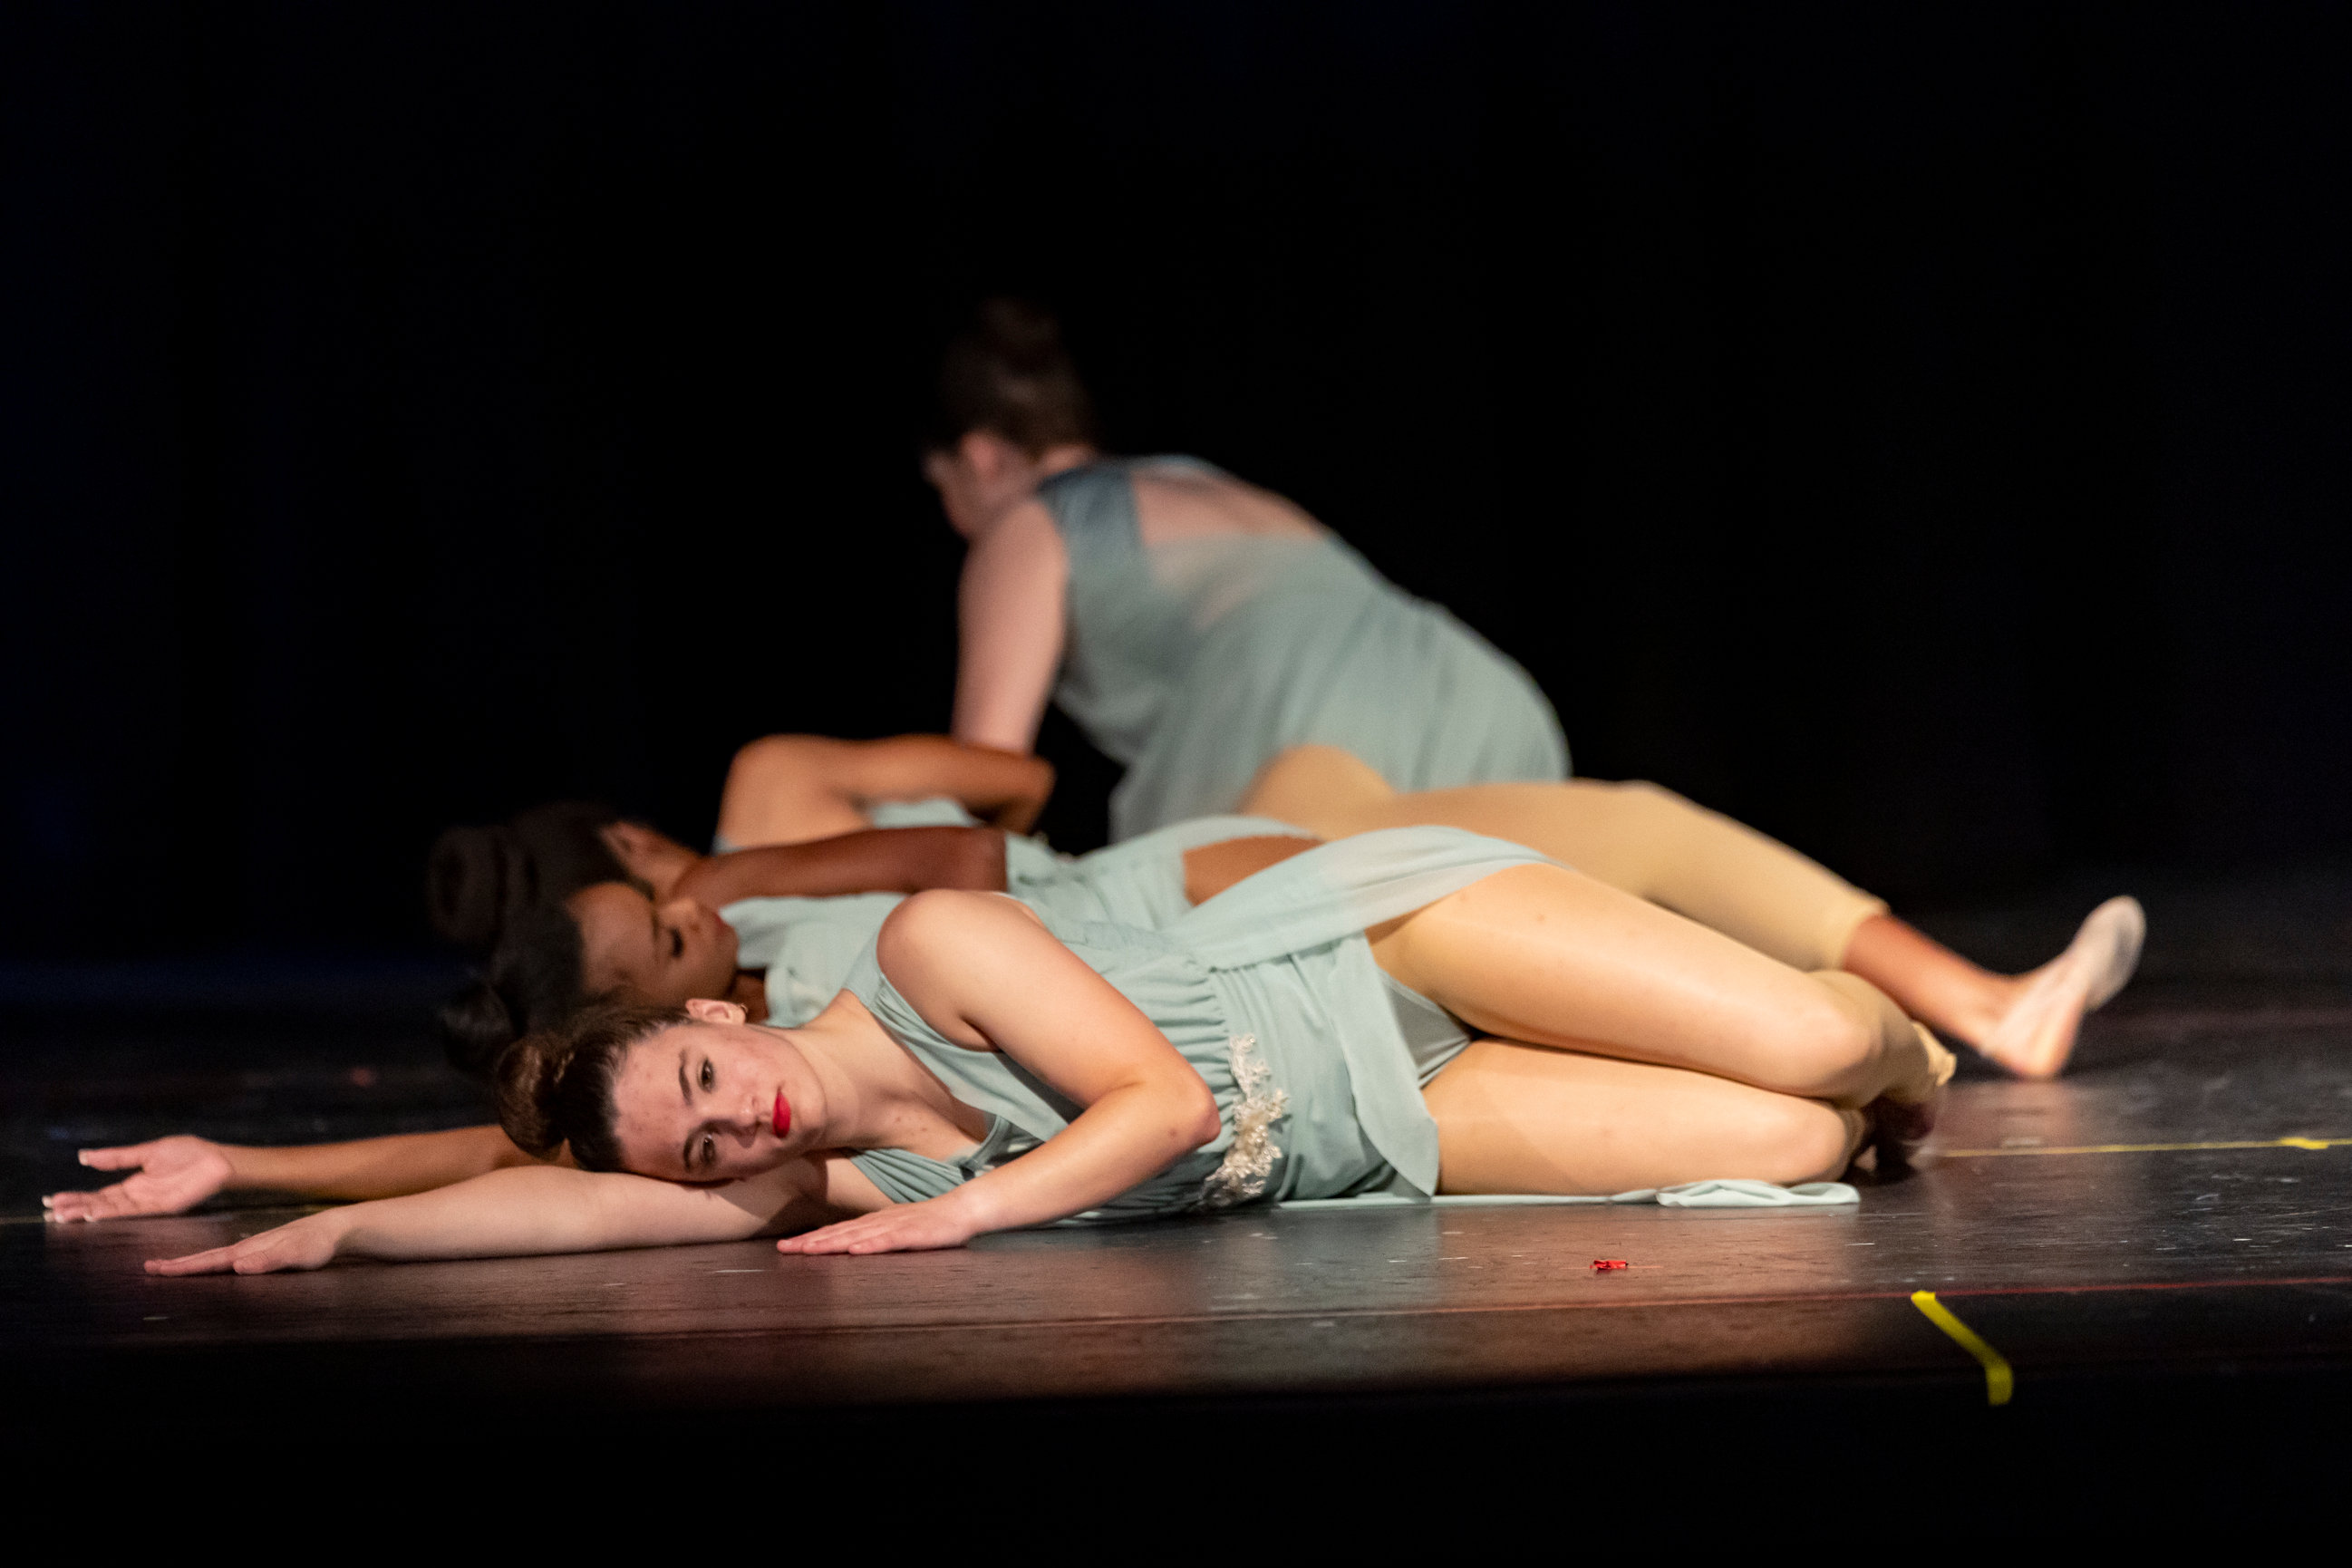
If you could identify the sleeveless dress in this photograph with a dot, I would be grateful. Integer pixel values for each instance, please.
(1194, 662)
(808, 946)
(1269, 991)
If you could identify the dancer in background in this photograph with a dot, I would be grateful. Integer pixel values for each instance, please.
(1192, 625)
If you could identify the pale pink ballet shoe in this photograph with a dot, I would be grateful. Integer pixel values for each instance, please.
(2036, 1035)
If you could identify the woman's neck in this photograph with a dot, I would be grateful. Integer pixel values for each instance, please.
(1061, 459)
(877, 1096)
(1003, 489)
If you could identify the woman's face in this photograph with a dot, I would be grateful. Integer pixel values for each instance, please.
(959, 497)
(665, 953)
(979, 480)
(716, 1100)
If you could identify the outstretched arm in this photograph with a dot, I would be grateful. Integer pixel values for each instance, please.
(523, 1213)
(871, 860)
(987, 975)
(169, 1175)
(788, 789)
(1009, 614)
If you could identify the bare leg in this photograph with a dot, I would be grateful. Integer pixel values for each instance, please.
(1552, 957)
(2032, 1019)
(1522, 1118)
(1317, 787)
(1653, 844)
(1931, 981)
(1211, 868)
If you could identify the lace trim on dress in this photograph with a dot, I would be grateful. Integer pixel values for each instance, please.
(1249, 1160)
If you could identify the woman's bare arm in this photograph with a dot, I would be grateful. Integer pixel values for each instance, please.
(788, 789)
(171, 1175)
(1009, 617)
(871, 860)
(526, 1212)
(987, 975)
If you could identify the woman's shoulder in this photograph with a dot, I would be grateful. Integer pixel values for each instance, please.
(934, 952)
(1179, 498)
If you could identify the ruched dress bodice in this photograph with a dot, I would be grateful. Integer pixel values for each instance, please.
(1195, 661)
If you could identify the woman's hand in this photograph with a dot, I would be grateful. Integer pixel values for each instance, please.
(902, 1227)
(309, 1242)
(652, 856)
(169, 1175)
(987, 975)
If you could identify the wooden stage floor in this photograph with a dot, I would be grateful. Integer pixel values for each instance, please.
(2168, 1229)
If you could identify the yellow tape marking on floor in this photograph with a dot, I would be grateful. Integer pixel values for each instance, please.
(1999, 1382)
(2146, 1147)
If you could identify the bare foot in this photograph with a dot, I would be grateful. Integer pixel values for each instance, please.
(2036, 1034)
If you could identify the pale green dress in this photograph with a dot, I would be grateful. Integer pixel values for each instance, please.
(1269, 990)
(807, 946)
(1315, 1056)
(1195, 662)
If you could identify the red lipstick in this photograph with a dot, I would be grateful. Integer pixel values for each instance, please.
(780, 1119)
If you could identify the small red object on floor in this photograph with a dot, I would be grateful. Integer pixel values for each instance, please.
(1603, 1265)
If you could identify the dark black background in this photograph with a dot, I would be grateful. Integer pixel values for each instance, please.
(1919, 430)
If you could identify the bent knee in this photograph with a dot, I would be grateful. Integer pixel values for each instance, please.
(1804, 1140)
(1316, 781)
(1643, 790)
(1820, 1045)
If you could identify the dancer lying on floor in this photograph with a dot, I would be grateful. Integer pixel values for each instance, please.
(784, 958)
(782, 790)
(1294, 1036)
(1192, 625)
(1634, 835)
(781, 959)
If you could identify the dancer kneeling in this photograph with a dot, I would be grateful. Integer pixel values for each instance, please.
(1293, 1036)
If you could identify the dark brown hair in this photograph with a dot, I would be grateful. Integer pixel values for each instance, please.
(476, 877)
(500, 890)
(534, 979)
(555, 1086)
(1009, 374)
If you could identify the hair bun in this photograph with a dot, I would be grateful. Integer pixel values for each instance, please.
(476, 1025)
(1027, 336)
(556, 1086)
(1009, 374)
(480, 880)
(529, 1079)
(475, 878)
